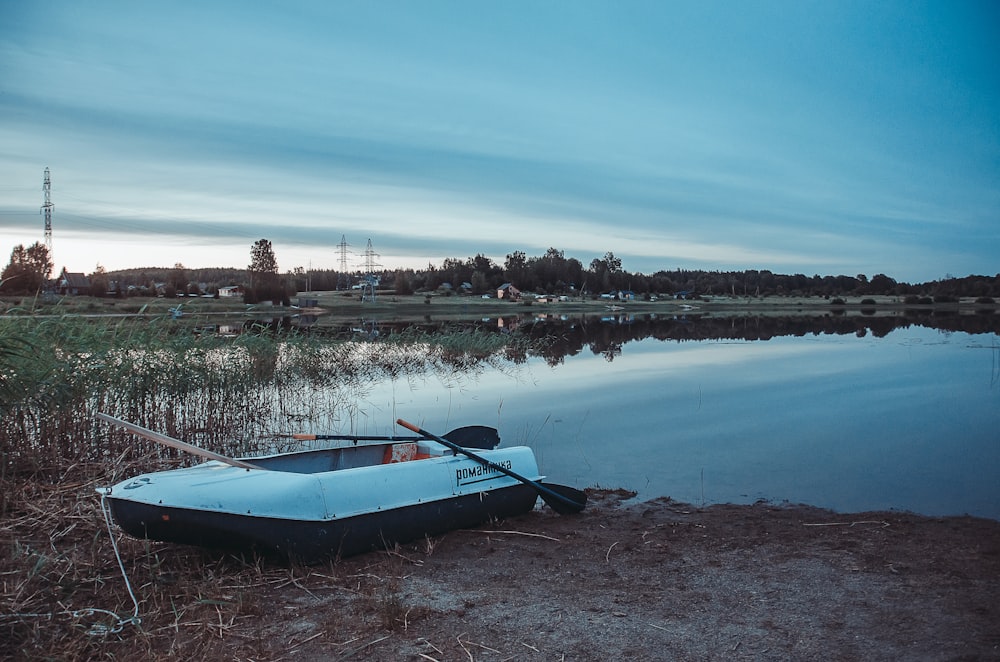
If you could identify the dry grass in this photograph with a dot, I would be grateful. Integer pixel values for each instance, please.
(64, 596)
(62, 592)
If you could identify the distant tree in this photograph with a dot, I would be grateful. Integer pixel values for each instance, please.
(456, 272)
(27, 271)
(403, 282)
(612, 263)
(514, 267)
(482, 264)
(300, 279)
(263, 273)
(177, 278)
(262, 260)
(550, 270)
(486, 275)
(882, 284)
(99, 282)
(479, 282)
(574, 272)
(862, 287)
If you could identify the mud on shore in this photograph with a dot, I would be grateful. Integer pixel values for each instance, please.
(658, 580)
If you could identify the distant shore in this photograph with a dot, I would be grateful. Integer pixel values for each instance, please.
(388, 306)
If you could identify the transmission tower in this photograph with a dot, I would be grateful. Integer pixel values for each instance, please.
(370, 256)
(342, 281)
(371, 281)
(47, 209)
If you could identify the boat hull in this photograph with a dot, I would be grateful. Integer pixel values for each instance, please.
(317, 541)
(316, 505)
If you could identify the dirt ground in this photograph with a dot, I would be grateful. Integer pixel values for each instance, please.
(660, 581)
(656, 580)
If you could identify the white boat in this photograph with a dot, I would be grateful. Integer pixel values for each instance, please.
(320, 504)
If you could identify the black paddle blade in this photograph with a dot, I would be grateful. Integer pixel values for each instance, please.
(475, 436)
(562, 499)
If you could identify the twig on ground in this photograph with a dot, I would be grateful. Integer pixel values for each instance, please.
(404, 557)
(353, 651)
(607, 557)
(521, 533)
(849, 524)
(424, 640)
(462, 645)
(306, 640)
(483, 646)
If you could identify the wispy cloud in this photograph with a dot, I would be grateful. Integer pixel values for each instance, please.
(835, 138)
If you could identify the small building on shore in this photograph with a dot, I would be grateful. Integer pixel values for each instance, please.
(508, 291)
(70, 283)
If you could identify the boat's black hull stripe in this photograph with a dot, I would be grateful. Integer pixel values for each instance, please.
(312, 541)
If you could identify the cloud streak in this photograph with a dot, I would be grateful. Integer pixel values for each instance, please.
(828, 139)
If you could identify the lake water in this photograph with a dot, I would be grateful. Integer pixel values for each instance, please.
(907, 420)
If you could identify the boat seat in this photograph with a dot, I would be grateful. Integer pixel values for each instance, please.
(401, 453)
(406, 451)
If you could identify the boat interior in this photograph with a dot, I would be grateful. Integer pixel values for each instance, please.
(349, 457)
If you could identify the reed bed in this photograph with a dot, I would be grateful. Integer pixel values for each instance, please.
(63, 595)
(229, 395)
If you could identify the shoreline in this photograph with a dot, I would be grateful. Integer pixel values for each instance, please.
(347, 305)
(648, 580)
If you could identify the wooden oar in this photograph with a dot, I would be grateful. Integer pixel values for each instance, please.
(562, 499)
(470, 436)
(175, 443)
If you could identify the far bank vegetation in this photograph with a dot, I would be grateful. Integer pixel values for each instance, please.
(552, 273)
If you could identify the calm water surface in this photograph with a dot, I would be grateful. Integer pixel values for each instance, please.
(909, 421)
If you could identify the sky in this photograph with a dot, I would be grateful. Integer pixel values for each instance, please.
(830, 137)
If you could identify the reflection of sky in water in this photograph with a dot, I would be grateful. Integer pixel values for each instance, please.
(909, 421)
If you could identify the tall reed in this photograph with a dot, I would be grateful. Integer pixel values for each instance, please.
(230, 395)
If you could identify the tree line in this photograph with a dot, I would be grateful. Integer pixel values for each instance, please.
(30, 269)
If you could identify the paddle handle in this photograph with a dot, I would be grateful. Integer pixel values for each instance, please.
(174, 443)
(350, 437)
(409, 426)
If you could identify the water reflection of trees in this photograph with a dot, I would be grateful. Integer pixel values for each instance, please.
(607, 336)
(554, 337)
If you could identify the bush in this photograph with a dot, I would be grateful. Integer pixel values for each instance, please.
(838, 302)
(985, 300)
(868, 302)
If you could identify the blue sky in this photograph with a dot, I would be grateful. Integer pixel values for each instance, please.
(831, 137)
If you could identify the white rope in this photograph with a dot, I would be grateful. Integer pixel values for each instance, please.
(100, 629)
(120, 623)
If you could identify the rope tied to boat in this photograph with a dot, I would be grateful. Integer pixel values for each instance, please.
(98, 629)
(118, 622)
